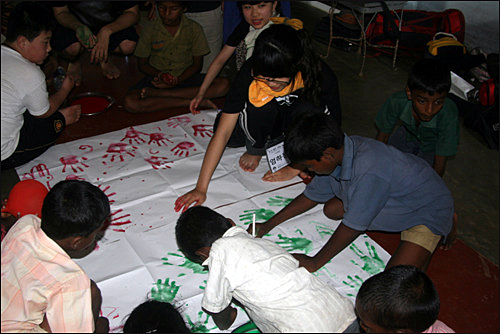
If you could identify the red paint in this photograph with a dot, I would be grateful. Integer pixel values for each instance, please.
(91, 104)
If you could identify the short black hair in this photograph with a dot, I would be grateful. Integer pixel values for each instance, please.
(429, 75)
(154, 316)
(400, 298)
(199, 227)
(73, 208)
(29, 19)
(310, 134)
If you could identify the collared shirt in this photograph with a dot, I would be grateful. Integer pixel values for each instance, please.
(277, 294)
(169, 53)
(439, 135)
(385, 189)
(439, 327)
(39, 278)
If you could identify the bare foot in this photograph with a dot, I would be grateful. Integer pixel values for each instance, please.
(284, 174)
(144, 93)
(249, 162)
(110, 70)
(71, 114)
(452, 236)
(75, 71)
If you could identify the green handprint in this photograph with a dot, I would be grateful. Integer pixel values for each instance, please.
(292, 244)
(164, 292)
(260, 215)
(199, 326)
(325, 270)
(323, 229)
(195, 267)
(355, 284)
(249, 327)
(373, 264)
(278, 201)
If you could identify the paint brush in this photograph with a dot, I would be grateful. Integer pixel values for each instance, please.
(253, 225)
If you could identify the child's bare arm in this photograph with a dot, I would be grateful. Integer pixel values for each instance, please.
(382, 136)
(225, 318)
(439, 164)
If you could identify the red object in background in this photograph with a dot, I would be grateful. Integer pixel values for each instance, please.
(167, 78)
(92, 104)
(26, 197)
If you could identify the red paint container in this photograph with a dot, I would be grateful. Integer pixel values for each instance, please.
(92, 103)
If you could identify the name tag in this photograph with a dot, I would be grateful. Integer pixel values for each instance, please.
(276, 157)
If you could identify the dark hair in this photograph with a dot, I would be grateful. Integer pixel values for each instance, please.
(310, 134)
(252, 3)
(281, 51)
(29, 19)
(73, 208)
(430, 76)
(155, 317)
(199, 227)
(401, 297)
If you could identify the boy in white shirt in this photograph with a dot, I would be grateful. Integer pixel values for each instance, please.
(31, 121)
(277, 295)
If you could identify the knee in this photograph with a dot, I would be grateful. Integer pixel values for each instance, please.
(127, 47)
(334, 209)
(131, 103)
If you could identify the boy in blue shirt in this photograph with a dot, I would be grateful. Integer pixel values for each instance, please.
(369, 186)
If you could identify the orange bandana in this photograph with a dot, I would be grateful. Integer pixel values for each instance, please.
(259, 92)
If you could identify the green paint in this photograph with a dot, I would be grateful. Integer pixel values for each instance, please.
(202, 287)
(372, 263)
(293, 244)
(324, 270)
(164, 292)
(249, 327)
(261, 215)
(323, 229)
(354, 283)
(199, 326)
(195, 267)
(278, 201)
(299, 232)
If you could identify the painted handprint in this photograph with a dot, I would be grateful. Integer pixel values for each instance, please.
(293, 244)
(372, 263)
(174, 122)
(323, 229)
(354, 283)
(158, 138)
(74, 177)
(39, 172)
(158, 162)
(182, 148)
(73, 162)
(203, 130)
(278, 201)
(195, 267)
(118, 150)
(164, 292)
(260, 215)
(134, 136)
(119, 220)
(200, 326)
(104, 190)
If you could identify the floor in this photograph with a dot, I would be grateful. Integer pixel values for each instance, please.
(467, 275)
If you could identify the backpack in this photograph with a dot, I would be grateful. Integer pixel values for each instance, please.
(418, 27)
(488, 93)
(445, 45)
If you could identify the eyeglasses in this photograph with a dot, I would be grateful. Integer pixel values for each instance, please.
(266, 80)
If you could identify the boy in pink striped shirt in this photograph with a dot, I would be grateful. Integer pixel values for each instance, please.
(43, 289)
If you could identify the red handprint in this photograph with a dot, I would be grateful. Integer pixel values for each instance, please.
(43, 173)
(158, 162)
(202, 130)
(182, 148)
(117, 222)
(174, 122)
(119, 149)
(158, 138)
(72, 161)
(109, 195)
(74, 177)
(134, 135)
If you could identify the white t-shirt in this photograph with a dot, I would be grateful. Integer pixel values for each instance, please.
(23, 87)
(277, 294)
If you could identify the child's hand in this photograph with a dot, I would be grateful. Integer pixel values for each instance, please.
(194, 196)
(195, 102)
(306, 262)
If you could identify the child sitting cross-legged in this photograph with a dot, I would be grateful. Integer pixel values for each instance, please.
(43, 289)
(263, 277)
(401, 299)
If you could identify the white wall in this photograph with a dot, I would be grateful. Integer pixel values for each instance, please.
(481, 20)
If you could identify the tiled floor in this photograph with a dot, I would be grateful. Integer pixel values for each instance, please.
(467, 275)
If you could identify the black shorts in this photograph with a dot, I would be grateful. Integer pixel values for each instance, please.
(64, 37)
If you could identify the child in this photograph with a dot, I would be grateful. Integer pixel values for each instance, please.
(277, 295)
(43, 289)
(401, 299)
(31, 121)
(155, 317)
(283, 78)
(170, 53)
(430, 126)
(370, 186)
